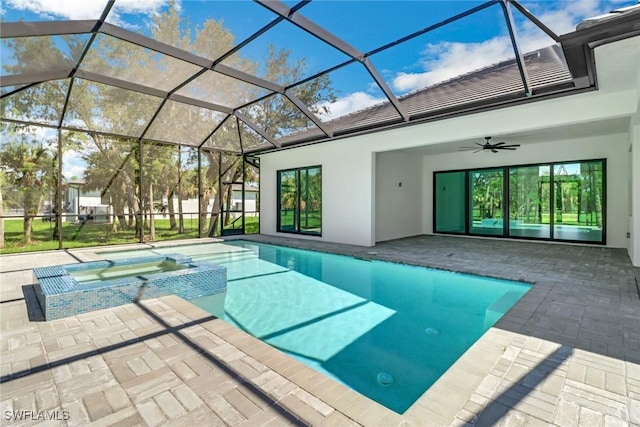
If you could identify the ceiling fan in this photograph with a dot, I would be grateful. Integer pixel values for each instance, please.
(489, 146)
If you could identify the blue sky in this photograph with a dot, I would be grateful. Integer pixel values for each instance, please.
(472, 43)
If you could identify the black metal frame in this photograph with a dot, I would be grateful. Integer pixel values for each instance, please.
(506, 198)
(279, 198)
(577, 47)
(222, 208)
(574, 44)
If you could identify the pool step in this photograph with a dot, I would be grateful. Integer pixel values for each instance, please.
(496, 310)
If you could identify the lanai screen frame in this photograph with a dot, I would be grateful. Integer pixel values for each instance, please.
(292, 15)
(282, 13)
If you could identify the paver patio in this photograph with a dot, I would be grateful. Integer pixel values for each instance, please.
(567, 354)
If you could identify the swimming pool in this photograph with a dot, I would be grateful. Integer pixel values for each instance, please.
(386, 330)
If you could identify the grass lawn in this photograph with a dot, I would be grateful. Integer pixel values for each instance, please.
(311, 222)
(77, 235)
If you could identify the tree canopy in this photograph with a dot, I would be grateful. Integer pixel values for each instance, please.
(107, 157)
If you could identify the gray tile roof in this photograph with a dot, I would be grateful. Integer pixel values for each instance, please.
(545, 67)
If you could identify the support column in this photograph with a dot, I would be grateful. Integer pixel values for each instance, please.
(634, 219)
(59, 193)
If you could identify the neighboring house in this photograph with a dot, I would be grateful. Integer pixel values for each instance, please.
(81, 204)
(251, 191)
(84, 206)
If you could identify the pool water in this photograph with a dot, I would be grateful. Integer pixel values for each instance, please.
(386, 330)
(122, 271)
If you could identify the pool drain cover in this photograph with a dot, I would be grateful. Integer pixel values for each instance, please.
(432, 331)
(385, 379)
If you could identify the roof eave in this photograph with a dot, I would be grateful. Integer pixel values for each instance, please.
(578, 45)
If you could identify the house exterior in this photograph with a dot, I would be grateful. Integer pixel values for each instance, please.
(553, 132)
(379, 186)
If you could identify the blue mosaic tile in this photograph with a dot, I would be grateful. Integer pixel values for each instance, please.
(42, 272)
(60, 295)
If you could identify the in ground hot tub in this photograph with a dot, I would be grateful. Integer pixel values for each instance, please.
(67, 290)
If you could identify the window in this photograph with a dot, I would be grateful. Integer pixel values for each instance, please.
(300, 200)
(551, 201)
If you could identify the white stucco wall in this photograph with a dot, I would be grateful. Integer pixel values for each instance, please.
(347, 190)
(399, 192)
(350, 172)
(634, 216)
(614, 148)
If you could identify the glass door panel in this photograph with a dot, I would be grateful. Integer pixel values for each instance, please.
(486, 202)
(578, 201)
(310, 200)
(529, 201)
(288, 200)
(450, 202)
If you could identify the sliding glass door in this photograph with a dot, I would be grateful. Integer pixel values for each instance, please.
(300, 200)
(578, 198)
(552, 201)
(311, 200)
(288, 196)
(450, 206)
(529, 197)
(486, 196)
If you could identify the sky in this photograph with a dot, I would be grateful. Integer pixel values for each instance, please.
(469, 44)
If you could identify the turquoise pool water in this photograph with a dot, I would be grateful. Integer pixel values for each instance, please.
(386, 330)
(122, 271)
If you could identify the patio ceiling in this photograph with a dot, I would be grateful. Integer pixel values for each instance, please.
(182, 90)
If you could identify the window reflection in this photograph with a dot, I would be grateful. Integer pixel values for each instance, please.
(300, 200)
(552, 201)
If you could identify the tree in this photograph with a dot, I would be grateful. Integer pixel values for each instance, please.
(112, 169)
(28, 164)
(276, 115)
(112, 161)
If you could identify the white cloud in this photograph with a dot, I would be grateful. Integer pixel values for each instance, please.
(445, 60)
(87, 9)
(39, 134)
(348, 104)
(453, 59)
(73, 165)
(564, 19)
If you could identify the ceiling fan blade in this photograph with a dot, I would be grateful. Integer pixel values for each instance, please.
(477, 151)
(507, 148)
(481, 145)
(493, 150)
(510, 146)
(499, 143)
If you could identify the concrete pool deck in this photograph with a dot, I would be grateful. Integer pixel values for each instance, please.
(567, 354)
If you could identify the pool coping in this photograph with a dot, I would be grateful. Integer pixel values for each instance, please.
(439, 405)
